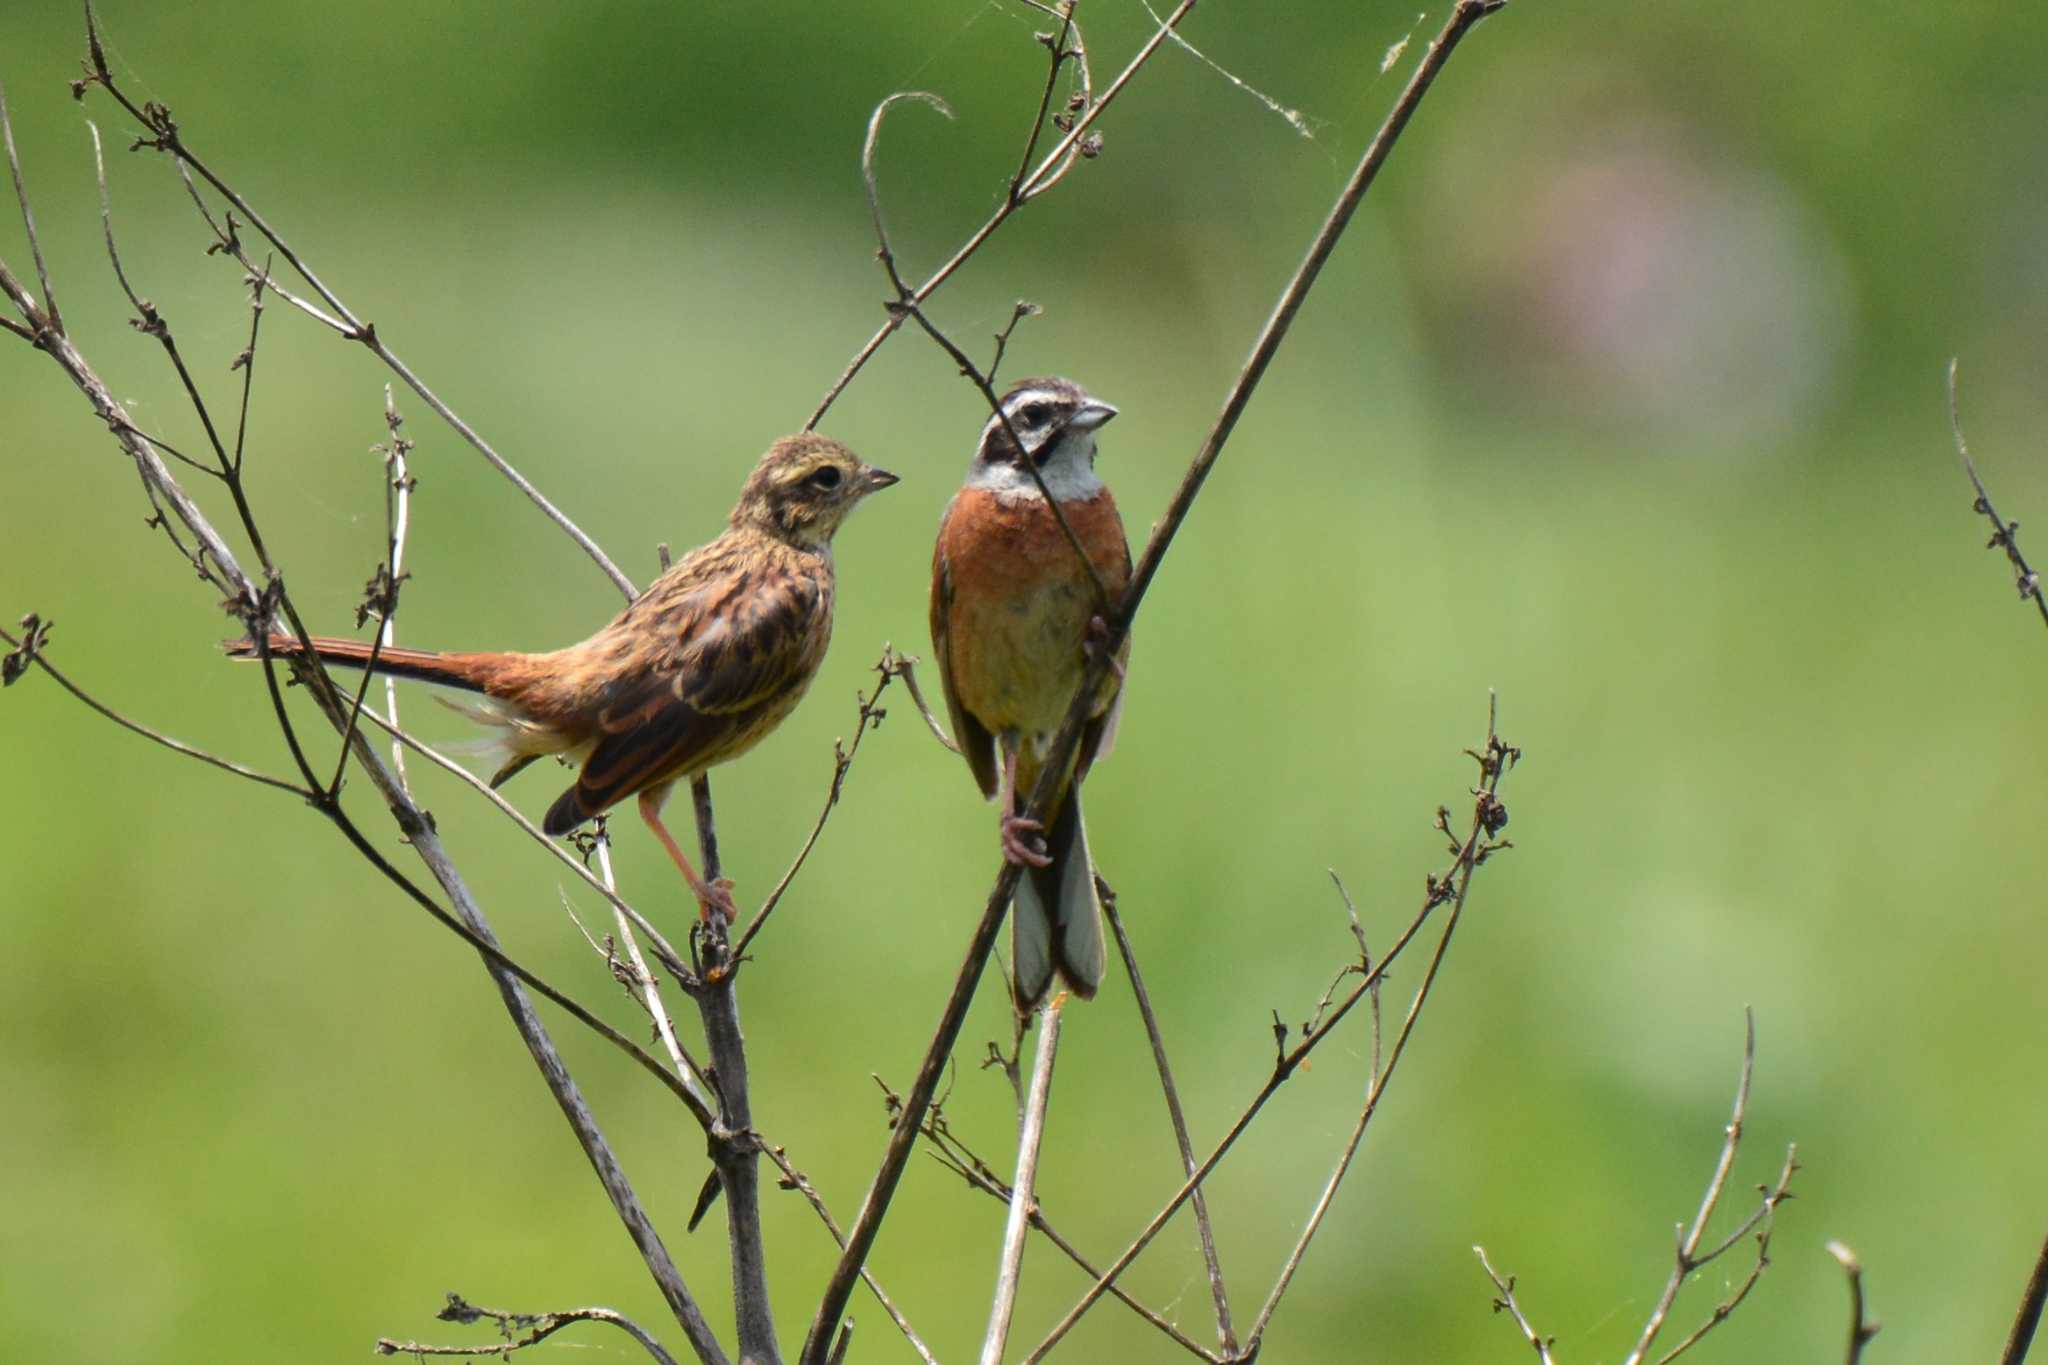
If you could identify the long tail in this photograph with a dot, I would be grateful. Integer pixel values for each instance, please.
(1057, 920)
(470, 672)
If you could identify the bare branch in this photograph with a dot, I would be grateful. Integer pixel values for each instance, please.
(889, 666)
(1023, 1190)
(2021, 1337)
(907, 302)
(2004, 534)
(536, 1328)
(163, 134)
(1861, 1329)
(1688, 1257)
(29, 650)
(51, 317)
(1464, 15)
(1226, 1332)
(1049, 172)
(952, 1152)
(1495, 758)
(1505, 1288)
(665, 952)
(793, 1179)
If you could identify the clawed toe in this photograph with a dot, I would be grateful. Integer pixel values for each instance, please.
(1019, 835)
(720, 900)
(1092, 641)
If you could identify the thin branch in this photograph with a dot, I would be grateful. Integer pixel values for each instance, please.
(906, 666)
(398, 486)
(952, 1152)
(647, 990)
(50, 316)
(164, 135)
(2004, 534)
(794, 1179)
(1688, 1257)
(906, 301)
(1049, 172)
(1505, 1289)
(664, 951)
(1861, 1329)
(1464, 15)
(1496, 758)
(2021, 1338)
(536, 1328)
(29, 650)
(889, 666)
(1226, 1332)
(1763, 1220)
(255, 607)
(1056, 45)
(1024, 1189)
(735, 1146)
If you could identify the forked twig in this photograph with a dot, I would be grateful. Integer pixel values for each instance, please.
(794, 1179)
(950, 1150)
(1464, 15)
(1505, 1303)
(1688, 1256)
(906, 301)
(29, 651)
(535, 1327)
(1450, 888)
(1050, 170)
(162, 133)
(891, 665)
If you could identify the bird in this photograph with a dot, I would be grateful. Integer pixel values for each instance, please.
(1014, 613)
(694, 672)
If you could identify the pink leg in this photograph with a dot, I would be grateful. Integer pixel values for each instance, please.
(710, 895)
(1018, 834)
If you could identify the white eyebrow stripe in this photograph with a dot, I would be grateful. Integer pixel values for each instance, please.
(1015, 404)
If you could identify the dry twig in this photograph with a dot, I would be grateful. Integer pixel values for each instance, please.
(1861, 1328)
(1464, 15)
(534, 1328)
(2004, 534)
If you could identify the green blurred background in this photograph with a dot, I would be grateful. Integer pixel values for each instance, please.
(1623, 397)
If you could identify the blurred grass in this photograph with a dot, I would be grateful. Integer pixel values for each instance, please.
(1540, 430)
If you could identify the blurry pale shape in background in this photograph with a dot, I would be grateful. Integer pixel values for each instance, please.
(1641, 285)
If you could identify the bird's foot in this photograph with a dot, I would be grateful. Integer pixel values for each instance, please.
(1019, 835)
(716, 897)
(1092, 640)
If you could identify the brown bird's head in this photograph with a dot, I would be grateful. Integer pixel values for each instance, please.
(804, 487)
(1056, 420)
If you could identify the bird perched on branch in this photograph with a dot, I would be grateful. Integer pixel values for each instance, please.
(695, 672)
(1013, 611)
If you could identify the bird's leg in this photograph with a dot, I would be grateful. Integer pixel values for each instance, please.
(710, 895)
(1018, 834)
(1092, 640)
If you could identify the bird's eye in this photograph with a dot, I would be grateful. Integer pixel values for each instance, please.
(1034, 414)
(825, 479)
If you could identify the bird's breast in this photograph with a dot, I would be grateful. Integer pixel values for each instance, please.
(1021, 601)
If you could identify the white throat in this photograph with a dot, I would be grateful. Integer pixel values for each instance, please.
(1069, 472)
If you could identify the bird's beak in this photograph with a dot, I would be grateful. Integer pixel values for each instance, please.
(1092, 414)
(878, 479)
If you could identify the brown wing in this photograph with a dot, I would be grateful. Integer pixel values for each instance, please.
(731, 659)
(1098, 736)
(977, 745)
